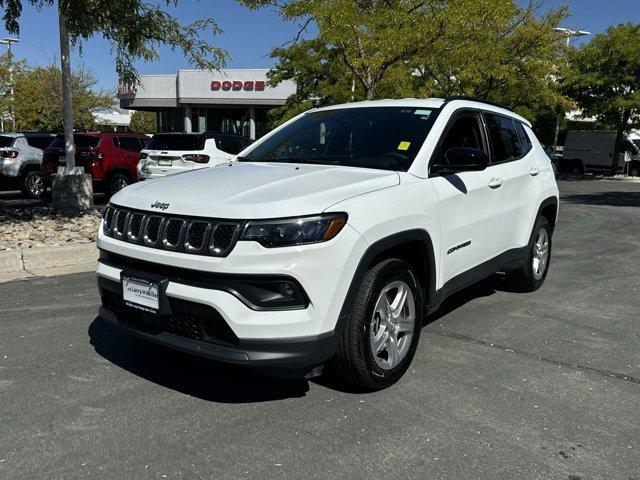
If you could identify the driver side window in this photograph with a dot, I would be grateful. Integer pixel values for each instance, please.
(465, 131)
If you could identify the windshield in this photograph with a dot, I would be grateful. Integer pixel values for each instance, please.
(386, 138)
(176, 142)
(6, 141)
(81, 141)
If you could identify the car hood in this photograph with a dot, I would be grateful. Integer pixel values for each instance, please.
(255, 190)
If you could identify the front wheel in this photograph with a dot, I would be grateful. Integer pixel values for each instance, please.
(382, 333)
(533, 272)
(33, 184)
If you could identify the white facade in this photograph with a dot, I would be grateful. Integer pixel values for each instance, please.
(230, 100)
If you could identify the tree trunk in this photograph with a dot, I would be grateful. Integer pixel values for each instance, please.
(622, 127)
(67, 105)
(369, 91)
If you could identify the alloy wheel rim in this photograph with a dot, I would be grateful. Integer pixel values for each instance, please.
(35, 185)
(540, 254)
(392, 325)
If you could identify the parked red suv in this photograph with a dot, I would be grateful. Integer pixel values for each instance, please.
(110, 157)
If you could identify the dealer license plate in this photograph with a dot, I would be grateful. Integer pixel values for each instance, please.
(141, 294)
(164, 162)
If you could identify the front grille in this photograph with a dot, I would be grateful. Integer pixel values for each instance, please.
(184, 326)
(135, 224)
(170, 232)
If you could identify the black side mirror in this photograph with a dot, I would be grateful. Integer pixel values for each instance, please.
(462, 159)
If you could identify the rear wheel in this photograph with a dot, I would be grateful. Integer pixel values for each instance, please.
(382, 333)
(533, 272)
(117, 181)
(32, 184)
(578, 168)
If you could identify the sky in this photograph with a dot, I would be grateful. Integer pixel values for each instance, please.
(247, 35)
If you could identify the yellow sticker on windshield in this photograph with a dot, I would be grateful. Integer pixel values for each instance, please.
(404, 145)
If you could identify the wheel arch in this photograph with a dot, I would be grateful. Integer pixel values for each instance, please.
(549, 209)
(29, 166)
(413, 246)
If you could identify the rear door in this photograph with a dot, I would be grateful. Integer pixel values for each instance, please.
(469, 202)
(513, 163)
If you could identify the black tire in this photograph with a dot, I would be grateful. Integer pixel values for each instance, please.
(32, 184)
(524, 279)
(578, 168)
(634, 171)
(116, 182)
(354, 361)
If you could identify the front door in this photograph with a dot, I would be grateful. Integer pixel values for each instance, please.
(469, 203)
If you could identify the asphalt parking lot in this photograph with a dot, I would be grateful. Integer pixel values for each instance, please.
(503, 386)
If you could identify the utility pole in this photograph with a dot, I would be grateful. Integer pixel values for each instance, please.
(71, 188)
(67, 100)
(8, 41)
(569, 33)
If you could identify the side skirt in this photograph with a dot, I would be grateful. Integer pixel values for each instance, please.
(509, 260)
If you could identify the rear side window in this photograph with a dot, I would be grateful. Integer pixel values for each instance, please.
(39, 142)
(506, 144)
(129, 143)
(6, 141)
(526, 141)
(176, 142)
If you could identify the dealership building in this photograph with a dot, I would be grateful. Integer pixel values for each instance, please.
(229, 101)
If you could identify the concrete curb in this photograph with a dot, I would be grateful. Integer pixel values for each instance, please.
(47, 261)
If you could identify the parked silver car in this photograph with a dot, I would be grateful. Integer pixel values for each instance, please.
(20, 160)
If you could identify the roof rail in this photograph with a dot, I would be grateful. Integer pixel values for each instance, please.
(473, 99)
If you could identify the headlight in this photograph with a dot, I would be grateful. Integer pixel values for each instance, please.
(295, 231)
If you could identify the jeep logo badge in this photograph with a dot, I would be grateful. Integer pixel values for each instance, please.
(160, 206)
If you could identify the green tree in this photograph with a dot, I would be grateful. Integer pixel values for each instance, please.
(135, 29)
(144, 122)
(498, 51)
(492, 49)
(604, 79)
(363, 38)
(9, 68)
(38, 98)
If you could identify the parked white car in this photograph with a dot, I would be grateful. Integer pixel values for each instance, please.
(332, 238)
(169, 153)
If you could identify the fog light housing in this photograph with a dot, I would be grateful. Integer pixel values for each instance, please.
(271, 293)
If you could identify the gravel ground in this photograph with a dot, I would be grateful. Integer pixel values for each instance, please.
(33, 226)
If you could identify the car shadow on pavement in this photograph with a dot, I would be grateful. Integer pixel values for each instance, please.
(613, 199)
(189, 374)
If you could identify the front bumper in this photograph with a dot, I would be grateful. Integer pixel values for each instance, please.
(291, 357)
(291, 339)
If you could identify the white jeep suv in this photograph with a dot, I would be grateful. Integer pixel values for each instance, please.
(169, 153)
(332, 238)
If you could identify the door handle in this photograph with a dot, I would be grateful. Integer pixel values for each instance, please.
(534, 171)
(495, 182)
